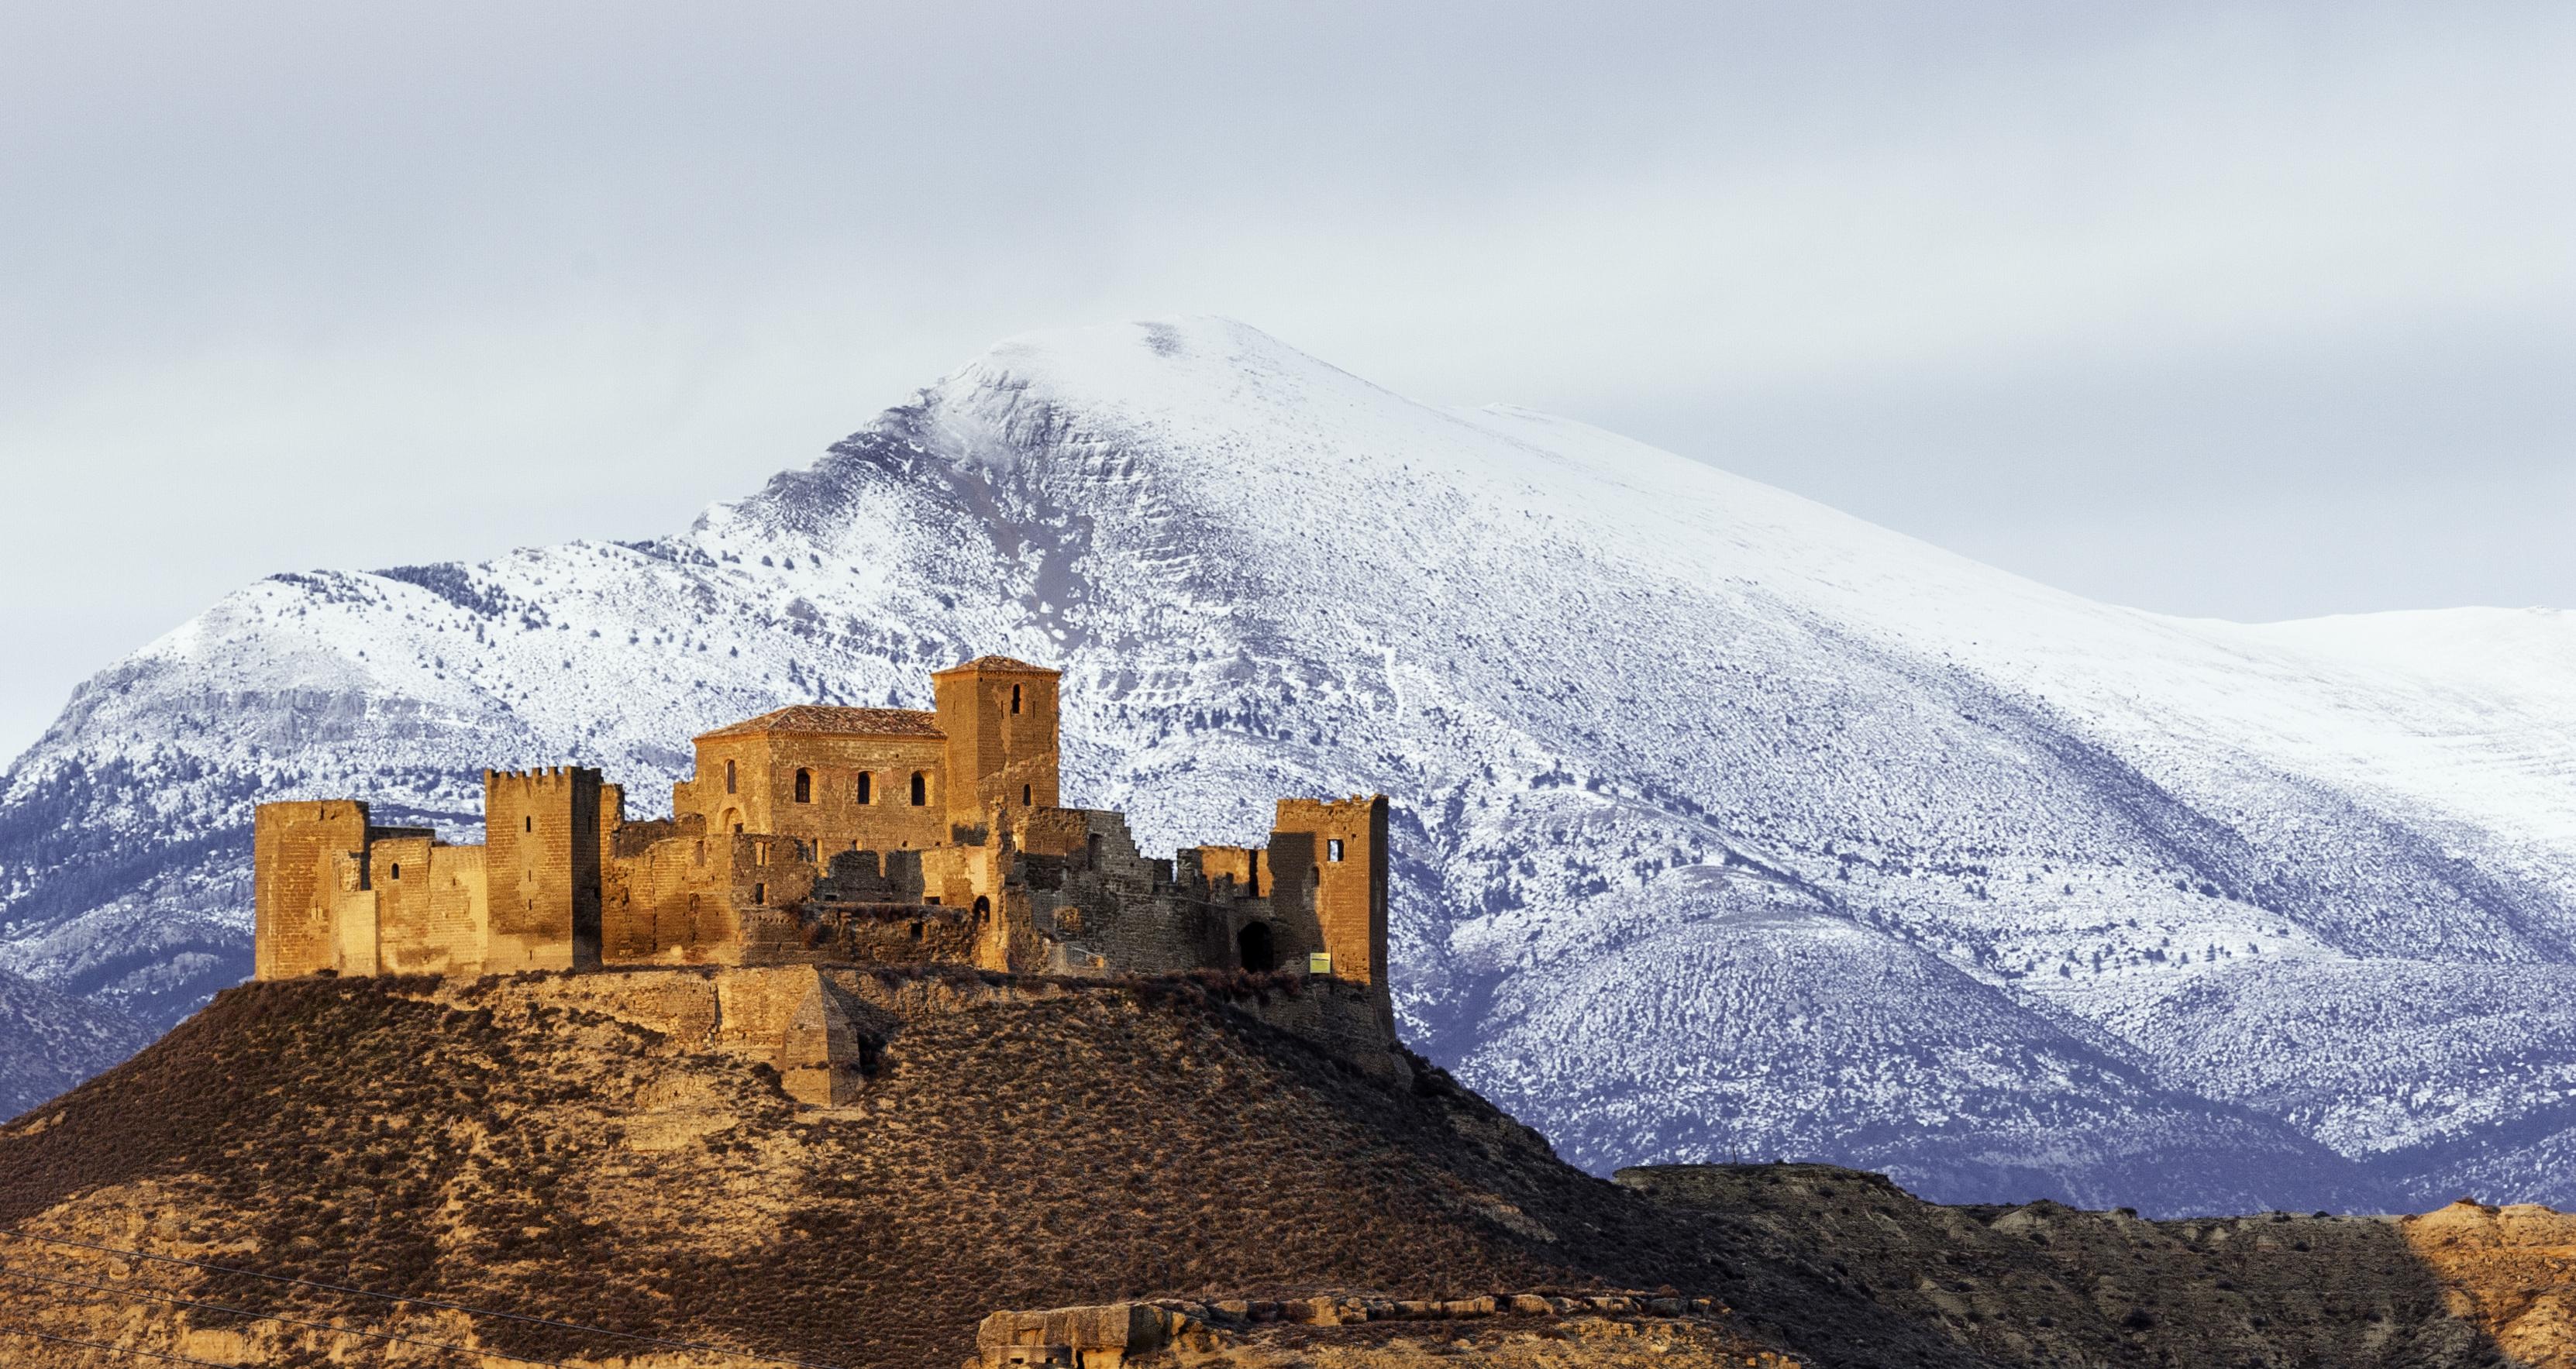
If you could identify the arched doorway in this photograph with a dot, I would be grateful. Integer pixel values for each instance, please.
(1252, 947)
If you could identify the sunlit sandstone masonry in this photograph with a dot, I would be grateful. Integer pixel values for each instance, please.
(824, 835)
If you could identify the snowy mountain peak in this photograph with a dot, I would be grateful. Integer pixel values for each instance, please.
(1727, 823)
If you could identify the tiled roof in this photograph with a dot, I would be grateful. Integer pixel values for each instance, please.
(833, 720)
(999, 663)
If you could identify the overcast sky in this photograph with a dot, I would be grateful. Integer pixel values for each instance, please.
(2235, 310)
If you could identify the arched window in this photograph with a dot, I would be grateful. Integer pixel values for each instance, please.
(1252, 945)
(1024, 796)
(983, 909)
(804, 786)
(397, 871)
(864, 789)
(760, 893)
(1015, 698)
(729, 777)
(920, 788)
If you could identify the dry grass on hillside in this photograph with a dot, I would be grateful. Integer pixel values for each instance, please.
(499, 1149)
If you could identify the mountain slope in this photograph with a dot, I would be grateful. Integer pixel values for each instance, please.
(49, 1042)
(1697, 783)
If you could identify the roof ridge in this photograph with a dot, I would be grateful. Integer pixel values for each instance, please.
(822, 717)
(993, 662)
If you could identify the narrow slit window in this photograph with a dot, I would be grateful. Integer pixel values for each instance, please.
(729, 777)
(920, 788)
(531, 823)
(1015, 698)
(1025, 801)
(1333, 849)
(863, 789)
(760, 893)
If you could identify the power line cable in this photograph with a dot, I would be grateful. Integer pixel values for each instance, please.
(699, 1346)
(176, 1301)
(114, 1349)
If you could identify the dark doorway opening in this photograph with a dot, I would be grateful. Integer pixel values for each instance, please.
(1252, 945)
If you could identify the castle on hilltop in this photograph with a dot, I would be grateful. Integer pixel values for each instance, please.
(831, 836)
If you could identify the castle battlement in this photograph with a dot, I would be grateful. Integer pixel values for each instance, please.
(824, 835)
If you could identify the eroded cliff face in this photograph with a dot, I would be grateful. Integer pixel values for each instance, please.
(2510, 1269)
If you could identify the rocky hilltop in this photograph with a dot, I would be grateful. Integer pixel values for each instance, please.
(602, 1153)
(1726, 826)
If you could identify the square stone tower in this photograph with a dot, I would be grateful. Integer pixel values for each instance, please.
(292, 845)
(1332, 853)
(544, 833)
(999, 716)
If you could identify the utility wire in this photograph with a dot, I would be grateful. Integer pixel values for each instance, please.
(417, 1302)
(114, 1349)
(112, 1291)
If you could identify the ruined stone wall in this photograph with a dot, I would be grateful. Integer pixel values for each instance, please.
(765, 877)
(1104, 906)
(956, 876)
(1237, 865)
(291, 845)
(1000, 721)
(542, 847)
(894, 934)
(667, 897)
(431, 912)
(351, 914)
(1351, 1020)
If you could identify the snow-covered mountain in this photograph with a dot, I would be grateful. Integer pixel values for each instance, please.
(1727, 824)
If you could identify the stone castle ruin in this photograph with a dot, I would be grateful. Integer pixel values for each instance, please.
(828, 836)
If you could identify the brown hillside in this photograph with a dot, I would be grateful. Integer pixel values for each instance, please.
(513, 1144)
(536, 1145)
(2047, 1285)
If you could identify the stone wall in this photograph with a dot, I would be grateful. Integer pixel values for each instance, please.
(542, 848)
(1337, 849)
(666, 897)
(1000, 721)
(432, 915)
(763, 797)
(291, 845)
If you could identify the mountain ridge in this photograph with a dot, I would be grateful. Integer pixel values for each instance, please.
(1636, 713)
